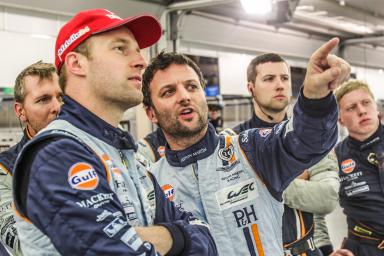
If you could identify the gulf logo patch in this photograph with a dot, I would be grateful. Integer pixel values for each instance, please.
(107, 160)
(348, 165)
(169, 191)
(82, 176)
(161, 151)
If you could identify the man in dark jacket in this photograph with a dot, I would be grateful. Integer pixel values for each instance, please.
(361, 161)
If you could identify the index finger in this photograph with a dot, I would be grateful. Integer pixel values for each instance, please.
(325, 49)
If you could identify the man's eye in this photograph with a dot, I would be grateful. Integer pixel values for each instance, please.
(120, 49)
(167, 93)
(192, 86)
(43, 100)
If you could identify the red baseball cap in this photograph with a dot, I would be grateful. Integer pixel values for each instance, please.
(146, 29)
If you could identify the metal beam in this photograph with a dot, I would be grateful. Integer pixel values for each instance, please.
(363, 40)
(189, 5)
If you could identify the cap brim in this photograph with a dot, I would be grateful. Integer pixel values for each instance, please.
(146, 29)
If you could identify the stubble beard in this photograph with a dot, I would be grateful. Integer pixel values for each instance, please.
(172, 126)
(274, 109)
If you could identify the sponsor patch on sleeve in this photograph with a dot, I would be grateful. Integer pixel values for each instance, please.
(132, 239)
(83, 176)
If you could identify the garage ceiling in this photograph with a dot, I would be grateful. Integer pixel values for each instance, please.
(348, 19)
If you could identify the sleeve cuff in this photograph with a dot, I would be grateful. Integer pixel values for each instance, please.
(317, 107)
(179, 244)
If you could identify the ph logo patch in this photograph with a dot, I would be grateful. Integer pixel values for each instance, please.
(169, 191)
(348, 165)
(83, 176)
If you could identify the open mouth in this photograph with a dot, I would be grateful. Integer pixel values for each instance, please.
(187, 113)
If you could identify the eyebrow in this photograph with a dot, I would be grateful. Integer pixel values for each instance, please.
(120, 40)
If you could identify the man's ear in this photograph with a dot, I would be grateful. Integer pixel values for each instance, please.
(250, 88)
(151, 114)
(19, 111)
(340, 121)
(76, 63)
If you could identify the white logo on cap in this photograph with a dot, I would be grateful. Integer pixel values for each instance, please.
(113, 16)
(72, 38)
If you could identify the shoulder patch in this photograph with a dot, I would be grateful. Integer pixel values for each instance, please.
(83, 176)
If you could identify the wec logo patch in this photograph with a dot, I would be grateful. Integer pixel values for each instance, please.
(347, 166)
(82, 176)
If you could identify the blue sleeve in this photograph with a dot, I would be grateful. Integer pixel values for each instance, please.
(280, 154)
(88, 221)
(184, 227)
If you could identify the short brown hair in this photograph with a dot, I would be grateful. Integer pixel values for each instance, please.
(41, 69)
(261, 59)
(84, 49)
(162, 61)
(350, 86)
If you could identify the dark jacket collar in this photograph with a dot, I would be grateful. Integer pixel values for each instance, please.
(256, 122)
(202, 149)
(85, 120)
(373, 139)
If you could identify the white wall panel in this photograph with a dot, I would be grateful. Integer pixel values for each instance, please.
(20, 50)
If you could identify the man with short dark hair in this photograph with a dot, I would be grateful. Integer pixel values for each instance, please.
(361, 162)
(37, 102)
(235, 183)
(78, 188)
(313, 194)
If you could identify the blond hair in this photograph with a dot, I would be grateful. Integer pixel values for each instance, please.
(40, 69)
(350, 86)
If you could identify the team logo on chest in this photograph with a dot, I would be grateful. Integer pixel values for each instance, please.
(226, 153)
(347, 166)
(83, 176)
(372, 158)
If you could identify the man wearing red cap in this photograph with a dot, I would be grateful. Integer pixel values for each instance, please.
(78, 188)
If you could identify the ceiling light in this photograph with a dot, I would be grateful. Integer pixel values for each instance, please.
(342, 2)
(257, 7)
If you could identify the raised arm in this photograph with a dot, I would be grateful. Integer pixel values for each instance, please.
(325, 71)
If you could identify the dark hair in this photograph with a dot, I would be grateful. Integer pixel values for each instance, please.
(40, 69)
(268, 57)
(161, 62)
